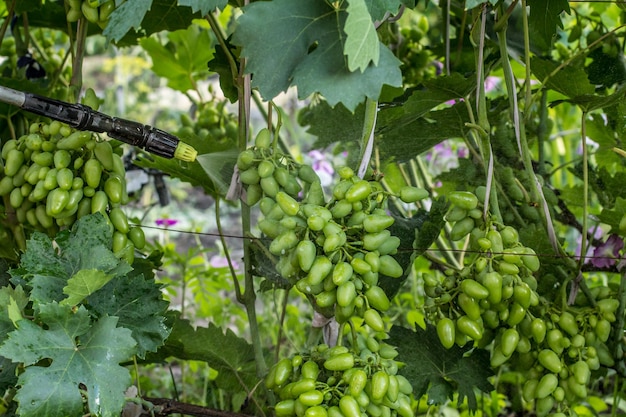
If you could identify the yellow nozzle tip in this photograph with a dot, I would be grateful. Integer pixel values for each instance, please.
(185, 152)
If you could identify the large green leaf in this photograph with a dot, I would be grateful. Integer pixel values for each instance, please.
(332, 125)
(138, 303)
(203, 6)
(84, 283)
(570, 81)
(361, 45)
(145, 17)
(405, 141)
(230, 355)
(379, 8)
(183, 59)
(289, 43)
(438, 371)
(79, 353)
(544, 19)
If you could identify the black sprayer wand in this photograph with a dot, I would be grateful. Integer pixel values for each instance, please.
(83, 117)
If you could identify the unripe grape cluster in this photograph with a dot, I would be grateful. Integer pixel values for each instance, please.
(331, 251)
(493, 302)
(54, 175)
(212, 120)
(95, 11)
(341, 382)
(334, 252)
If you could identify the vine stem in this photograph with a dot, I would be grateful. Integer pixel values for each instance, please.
(583, 139)
(367, 140)
(248, 297)
(483, 127)
(76, 82)
(520, 133)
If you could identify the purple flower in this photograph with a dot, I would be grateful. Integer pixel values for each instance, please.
(322, 166)
(218, 261)
(607, 253)
(166, 222)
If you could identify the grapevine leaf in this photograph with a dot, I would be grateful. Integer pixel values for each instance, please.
(127, 16)
(570, 81)
(40, 257)
(379, 8)
(140, 307)
(203, 6)
(297, 43)
(262, 266)
(47, 270)
(420, 102)
(361, 45)
(605, 137)
(220, 65)
(230, 355)
(332, 124)
(10, 298)
(404, 228)
(82, 284)
(545, 17)
(80, 353)
(146, 17)
(8, 376)
(183, 60)
(424, 132)
(613, 216)
(433, 369)
(348, 88)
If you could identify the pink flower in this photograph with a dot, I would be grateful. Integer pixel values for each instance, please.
(166, 222)
(218, 261)
(607, 254)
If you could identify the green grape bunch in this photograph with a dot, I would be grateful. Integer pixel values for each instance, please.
(333, 251)
(212, 120)
(54, 175)
(493, 302)
(341, 382)
(94, 11)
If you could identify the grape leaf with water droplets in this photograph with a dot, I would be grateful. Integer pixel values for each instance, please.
(84, 283)
(140, 307)
(80, 352)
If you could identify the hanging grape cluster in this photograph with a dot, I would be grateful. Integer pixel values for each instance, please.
(334, 252)
(212, 120)
(342, 382)
(95, 11)
(493, 302)
(55, 175)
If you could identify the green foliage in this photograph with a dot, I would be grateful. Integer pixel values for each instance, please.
(361, 45)
(203, 6)
(545, 19)
(135, 19)
(91, 314)
(182, 59)
(438, 371)
(81, 352)
(225, 352)
(282, 55)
